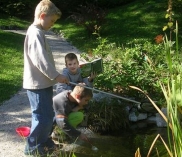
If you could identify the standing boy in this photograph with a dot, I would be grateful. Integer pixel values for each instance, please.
(67, 106)
(73, 73)
(39, 76)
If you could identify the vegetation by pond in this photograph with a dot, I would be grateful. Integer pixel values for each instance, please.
(124, 145)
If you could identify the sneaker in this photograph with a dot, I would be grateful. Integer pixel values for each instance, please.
(58, 137)
(56, 150)
(56, 147)
(40, 152)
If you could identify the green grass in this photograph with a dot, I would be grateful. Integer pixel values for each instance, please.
(7, 22)
(11, 64)
(136, 21)
(139, 20)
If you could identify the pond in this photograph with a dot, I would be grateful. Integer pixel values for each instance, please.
(123, 144)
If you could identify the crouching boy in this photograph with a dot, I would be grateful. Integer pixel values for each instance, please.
(67, 107)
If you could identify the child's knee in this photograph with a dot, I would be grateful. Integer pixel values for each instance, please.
(80, 115)
(76, 115)
(75, 118)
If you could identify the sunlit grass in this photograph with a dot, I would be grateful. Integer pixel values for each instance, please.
(139, 20)
(11, 64)
(7, 22)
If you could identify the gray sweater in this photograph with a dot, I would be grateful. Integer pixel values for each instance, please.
(39, 66)
(76, 78)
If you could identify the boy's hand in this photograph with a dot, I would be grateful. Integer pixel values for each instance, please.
(62, 79)
(92, 76)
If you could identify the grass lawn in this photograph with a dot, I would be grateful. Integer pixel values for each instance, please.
(11, 64)
(7, 22)
(139, 20)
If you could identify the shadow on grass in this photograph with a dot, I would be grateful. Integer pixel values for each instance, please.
(138, 20)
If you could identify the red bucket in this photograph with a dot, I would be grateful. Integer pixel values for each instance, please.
(23, 131)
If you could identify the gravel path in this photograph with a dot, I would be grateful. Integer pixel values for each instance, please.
(16, 111)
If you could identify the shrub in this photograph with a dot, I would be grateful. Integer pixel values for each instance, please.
(89, 16)
(139, 64)
(68, 6)
(18, 8)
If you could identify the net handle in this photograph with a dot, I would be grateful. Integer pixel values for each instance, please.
(93, 89)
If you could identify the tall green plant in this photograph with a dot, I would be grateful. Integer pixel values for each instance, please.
(173, 95)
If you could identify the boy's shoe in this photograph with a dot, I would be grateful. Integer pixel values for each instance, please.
(59, 137)
(56, 137)
(41, 152)
(55, 148)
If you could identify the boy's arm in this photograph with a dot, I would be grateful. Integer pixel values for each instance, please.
(87, 82)
(92, 76)
(62, 79)
(39, 53)
(60, 87)
(67, 128)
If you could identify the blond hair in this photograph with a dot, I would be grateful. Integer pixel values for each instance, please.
(82, 91)
(48, 8)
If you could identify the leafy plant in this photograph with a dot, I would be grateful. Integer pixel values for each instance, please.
(22, 8)
(125, 66)
(89, 16)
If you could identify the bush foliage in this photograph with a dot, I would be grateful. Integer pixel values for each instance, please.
(26, 8)
(139, 64)
(89, 16)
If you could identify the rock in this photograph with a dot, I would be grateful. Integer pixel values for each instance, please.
(160, 122)
(135, 116)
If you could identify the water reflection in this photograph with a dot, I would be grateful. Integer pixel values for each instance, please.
(123, 143)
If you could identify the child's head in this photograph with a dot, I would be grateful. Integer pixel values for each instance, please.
(48, 8)
(71, 62)
(46, 14)
(82, 95)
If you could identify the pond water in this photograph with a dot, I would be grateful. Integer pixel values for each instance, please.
(123, 144)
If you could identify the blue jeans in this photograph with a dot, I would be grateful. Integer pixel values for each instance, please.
(42, 119)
